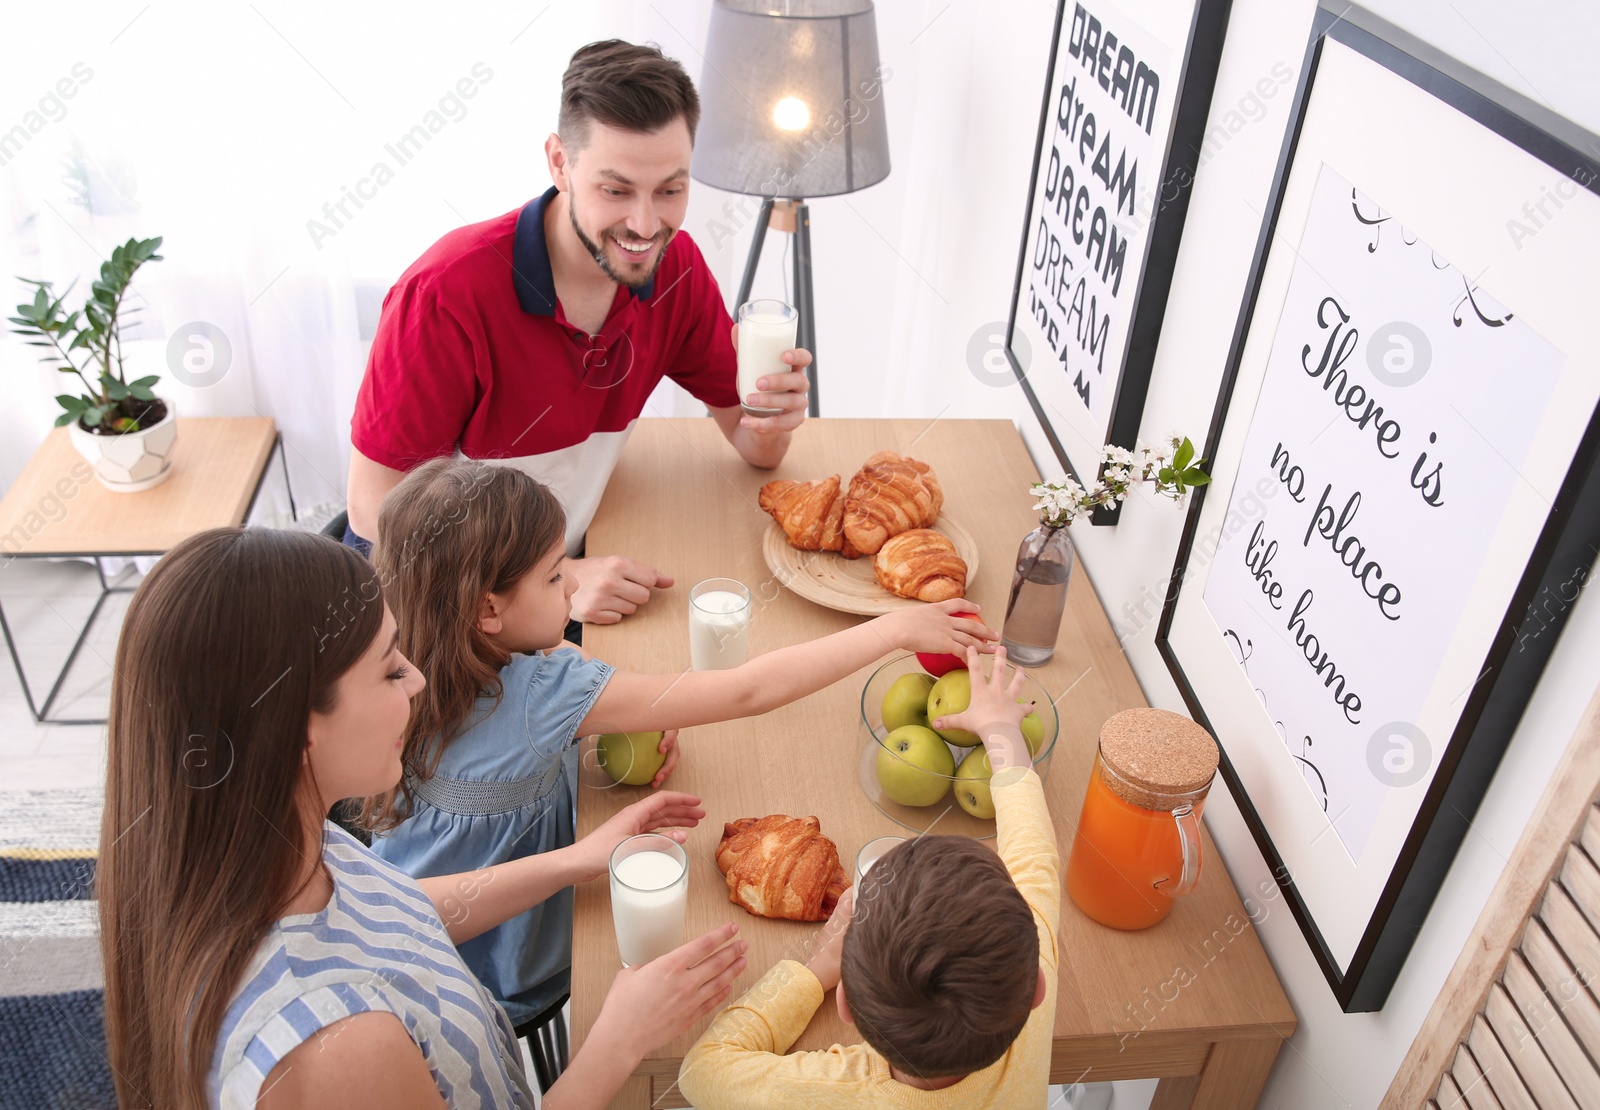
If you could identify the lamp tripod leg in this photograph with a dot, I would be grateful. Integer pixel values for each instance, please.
(748, 281)
(805, 302)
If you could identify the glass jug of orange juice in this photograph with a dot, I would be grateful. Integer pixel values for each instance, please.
(1137, 847)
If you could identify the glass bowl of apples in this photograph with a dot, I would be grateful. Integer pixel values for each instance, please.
(920, 778)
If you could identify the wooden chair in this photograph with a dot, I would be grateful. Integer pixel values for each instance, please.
(546, 1035)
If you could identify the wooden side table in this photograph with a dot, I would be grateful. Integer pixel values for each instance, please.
(56, 509)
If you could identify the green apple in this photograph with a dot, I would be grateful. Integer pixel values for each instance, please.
(632, 758)
(906, 703)
(1033, 732)
(972, 785)
(949, 696)
(914, 766)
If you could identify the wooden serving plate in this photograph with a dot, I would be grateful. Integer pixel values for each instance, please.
(849, 585)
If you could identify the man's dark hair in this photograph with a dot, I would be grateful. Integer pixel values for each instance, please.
(626, 86)
(941, 960)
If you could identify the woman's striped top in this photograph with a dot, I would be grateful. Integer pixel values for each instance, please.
(378, 945)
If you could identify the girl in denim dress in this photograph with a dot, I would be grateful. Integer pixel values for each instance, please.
(471, 557)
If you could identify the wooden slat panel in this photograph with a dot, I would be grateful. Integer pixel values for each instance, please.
(1557, 819)
(1562, 983)
(1582, 880)
(1475, 1088)
(1543, 1015)
(1573, 934)
(1448, 1097)
(1590, 836)
(1525, 1052)
(1497, 1068)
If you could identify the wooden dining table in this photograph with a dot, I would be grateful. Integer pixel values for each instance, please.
(1193, 1000)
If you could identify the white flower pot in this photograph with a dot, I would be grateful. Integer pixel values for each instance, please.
(132, 461)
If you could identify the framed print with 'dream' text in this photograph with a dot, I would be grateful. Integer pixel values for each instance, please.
(1120, 138)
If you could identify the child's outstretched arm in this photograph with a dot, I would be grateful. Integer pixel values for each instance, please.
(1023, 832)
(742, 1061)
(473, 902)
(994, 713)
(633, 702)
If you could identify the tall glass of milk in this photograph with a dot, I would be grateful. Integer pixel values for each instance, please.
(766, 330)
(874, 850)
(719, 624)
(649, 894)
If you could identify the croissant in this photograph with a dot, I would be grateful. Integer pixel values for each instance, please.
(890, 494)
(810, 513)
(921, 564)
(782, 867)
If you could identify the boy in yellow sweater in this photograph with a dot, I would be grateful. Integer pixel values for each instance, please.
(944, 958)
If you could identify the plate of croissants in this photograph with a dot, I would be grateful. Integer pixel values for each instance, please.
(879, 543)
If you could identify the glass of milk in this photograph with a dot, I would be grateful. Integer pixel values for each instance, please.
(649, 894)
(719, 624)
(766, 331)
(874, 850)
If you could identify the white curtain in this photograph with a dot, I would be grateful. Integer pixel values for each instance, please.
(247, 136)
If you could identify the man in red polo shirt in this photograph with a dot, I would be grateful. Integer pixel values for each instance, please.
(536, 338)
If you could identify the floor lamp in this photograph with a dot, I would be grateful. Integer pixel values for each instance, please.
(791, 107)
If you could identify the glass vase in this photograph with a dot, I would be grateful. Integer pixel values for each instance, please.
(1038, 596)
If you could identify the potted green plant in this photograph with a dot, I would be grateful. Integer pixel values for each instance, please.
(123, 429)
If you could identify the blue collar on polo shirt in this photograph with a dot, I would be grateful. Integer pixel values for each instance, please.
(535, 282)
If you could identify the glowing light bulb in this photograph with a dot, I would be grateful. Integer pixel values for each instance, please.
(791, 114)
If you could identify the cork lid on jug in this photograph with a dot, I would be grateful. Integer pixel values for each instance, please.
(1157, 754)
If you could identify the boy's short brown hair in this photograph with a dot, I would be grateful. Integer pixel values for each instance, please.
(941, 960)
(626, 86)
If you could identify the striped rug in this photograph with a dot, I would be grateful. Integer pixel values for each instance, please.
(52, 1034)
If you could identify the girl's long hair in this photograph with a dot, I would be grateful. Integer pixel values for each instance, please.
(228, 646)
(452, 532)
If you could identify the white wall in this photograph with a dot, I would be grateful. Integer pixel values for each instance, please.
(908, 270)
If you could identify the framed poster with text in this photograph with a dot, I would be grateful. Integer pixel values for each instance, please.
(1406, 481)
(1120, 136)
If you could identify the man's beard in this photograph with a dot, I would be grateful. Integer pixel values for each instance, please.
(598, 253)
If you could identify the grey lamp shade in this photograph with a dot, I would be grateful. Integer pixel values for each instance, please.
(791, 100)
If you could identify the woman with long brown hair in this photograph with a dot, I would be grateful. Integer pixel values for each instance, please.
(256, 955)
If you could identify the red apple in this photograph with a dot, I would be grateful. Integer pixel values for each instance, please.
(938, 663)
